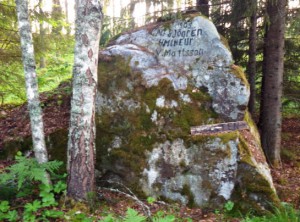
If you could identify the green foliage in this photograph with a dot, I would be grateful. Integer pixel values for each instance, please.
(47, 195)
(151, 200)
(27, 170)
(36, 210)
(108, 218)
(28, 173)
(59, 69)
(226, 212)
(228, 206)
(12, 83)
(160, 216)
(4, 206)
(133, 216)
(52, 214)
(105, 33)
(80, 217)
(6, 213)
(59, 187)
(55, 49)
(291, 78)
(284, 214)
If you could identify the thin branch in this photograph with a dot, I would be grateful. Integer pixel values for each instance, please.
(130, 194)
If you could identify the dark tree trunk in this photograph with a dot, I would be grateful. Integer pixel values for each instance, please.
(81, 143)
(251, 67)
(58, 16)
(203, 7)
(270, 113)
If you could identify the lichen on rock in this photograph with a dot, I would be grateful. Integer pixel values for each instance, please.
(173, 168)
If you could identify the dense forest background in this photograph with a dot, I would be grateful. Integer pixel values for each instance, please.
(53, 27)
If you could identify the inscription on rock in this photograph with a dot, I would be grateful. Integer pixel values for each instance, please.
(179, 41)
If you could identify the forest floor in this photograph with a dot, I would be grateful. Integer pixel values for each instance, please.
(14, 123)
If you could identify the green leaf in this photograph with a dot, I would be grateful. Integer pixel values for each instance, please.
(27, 170)
(45, 189)
(33, 207)
(25, 191)
(133, 216)
(108, 218)
(4, 206)
(29, 217)
(53, 213)
(60, 187)
(12, 215)
(151, 200)
(160, 213)
(229, 206)
(2, 216)
(47, 195)
(81, 217)
(48, 199)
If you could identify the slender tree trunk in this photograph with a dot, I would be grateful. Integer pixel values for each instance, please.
(42, 37)
(203, 7)
(34, 108)
(131, 11)
(270, 113)
(67, 17)
(81, 144)
(251, 67)
(67, 11)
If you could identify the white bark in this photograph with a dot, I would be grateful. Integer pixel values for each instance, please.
(34, 108)
(81, 144)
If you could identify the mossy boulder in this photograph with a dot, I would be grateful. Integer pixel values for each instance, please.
(155, 83)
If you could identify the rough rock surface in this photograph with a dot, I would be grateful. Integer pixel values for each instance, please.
(187, 51)
(155, 83)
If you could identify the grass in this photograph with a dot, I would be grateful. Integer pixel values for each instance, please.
(285, 214)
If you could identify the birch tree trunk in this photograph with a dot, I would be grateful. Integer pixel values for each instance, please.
(270, 111)
(81, 143)
(34, 108)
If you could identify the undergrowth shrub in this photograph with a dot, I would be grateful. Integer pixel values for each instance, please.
(27, 178)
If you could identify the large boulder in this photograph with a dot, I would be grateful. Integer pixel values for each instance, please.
(157, 82)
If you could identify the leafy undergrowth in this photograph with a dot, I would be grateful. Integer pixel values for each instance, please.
(59, 69)
(26, 195)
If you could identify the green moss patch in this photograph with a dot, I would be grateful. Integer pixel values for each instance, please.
(239, 73)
